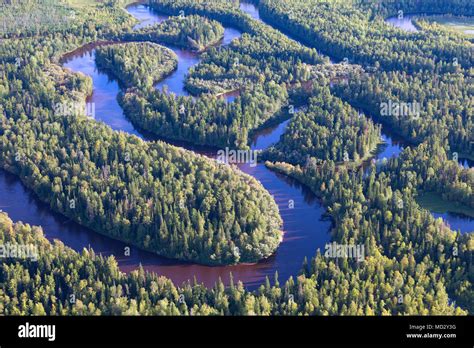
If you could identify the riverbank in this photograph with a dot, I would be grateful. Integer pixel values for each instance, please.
(434, 202)
(304, 231)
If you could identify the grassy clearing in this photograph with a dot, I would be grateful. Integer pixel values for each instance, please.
(462, 25)
(435, 203)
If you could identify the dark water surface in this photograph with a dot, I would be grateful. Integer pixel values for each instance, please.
(392, 144)
(457, 222)
(405, 23)
(304, 228)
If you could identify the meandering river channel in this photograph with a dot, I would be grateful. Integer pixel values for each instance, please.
(304, 224)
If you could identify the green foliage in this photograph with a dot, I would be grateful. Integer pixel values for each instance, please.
(208, 120)
(36, 18)
(439, 24)
(259, 65)
(194, 32)
(228, 13)
(402, 244)
(137, 64)
(152, 195)
(391, 8)
(25, 18)
(436, 203)
(329, 130)
(173, 202)
(432, 171)
(370, 41)
(64, 282)
(446, 110)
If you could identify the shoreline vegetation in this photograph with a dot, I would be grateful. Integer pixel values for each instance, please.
(434, 201)
(459, 25)
(409, 253)
(192, 32)
(137, 64)
(132, 200)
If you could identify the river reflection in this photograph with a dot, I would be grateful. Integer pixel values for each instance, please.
(305, 228)
(456, 222)
(250, 9)
(404, 22)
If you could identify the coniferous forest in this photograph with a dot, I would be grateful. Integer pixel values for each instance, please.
(373, 121)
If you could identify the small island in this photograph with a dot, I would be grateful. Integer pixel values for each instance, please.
(137, 63)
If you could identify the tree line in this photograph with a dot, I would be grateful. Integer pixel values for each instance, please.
(137, 64)
(152, 195)
(194, 32)
(328, 130)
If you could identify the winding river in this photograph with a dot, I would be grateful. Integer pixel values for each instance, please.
(304, 225)
(392, 145)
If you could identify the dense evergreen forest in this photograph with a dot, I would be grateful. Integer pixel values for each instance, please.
(64, 282)
(390, 8)
(371, 41)
(445, 101)
(257, 65)
(329, 130)
(209, 120)
(181, 205)
(136, 64)
(441, 86)
(153, 195)
(194, 32)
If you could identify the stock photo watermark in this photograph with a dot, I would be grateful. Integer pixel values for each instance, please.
(394, 108)
(73, 108)
(230, 156)
(19, 251)
(347, 251)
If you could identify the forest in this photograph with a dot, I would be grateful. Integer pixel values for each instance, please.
(371, 42)
(153, 195)
(181, 205)
(64, 282)
(446, 110)
(194, 32)
(136, 64)
(388, 8)
(209, 120)
(21, 15)
(259, 65)
(329, 130)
